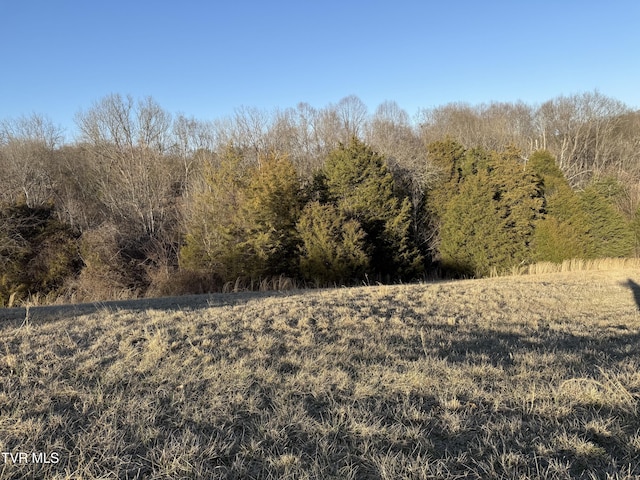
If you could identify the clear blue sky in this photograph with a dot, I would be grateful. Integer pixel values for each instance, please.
(206, 58)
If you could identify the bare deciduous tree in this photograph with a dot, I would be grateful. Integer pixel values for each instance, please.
(128, 141)
(35, 127)
(582, 132)
(26, 155)
(352, 114)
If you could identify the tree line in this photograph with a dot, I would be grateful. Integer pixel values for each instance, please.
(143, 202)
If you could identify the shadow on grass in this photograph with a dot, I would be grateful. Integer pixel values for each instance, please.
(590, 356)
(269, 423)
(635, 289)
(181, 303)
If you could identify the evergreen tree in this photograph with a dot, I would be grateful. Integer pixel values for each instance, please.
(562, 233)
(455, 164)
(584, 225)
(543, 164)
(333, 248)
(215, 229)
(271, 210)
(360, 185)
(610, 235)
(448, 157)
(243, 223)
(556, 240)
(635, 226)
(489, 223)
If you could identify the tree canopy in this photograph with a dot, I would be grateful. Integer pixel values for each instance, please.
(143, 201)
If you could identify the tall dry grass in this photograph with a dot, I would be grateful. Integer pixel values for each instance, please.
(580, 265)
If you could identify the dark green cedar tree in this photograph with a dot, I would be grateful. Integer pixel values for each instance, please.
(333, 248)
(271, 209)
(243, 224)
(361, 186)
(610, 234)
(562, 233)
(488, 225)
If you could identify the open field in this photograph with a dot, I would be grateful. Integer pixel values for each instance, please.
(515, 377)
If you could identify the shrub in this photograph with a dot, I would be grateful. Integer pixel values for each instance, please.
(38, 253)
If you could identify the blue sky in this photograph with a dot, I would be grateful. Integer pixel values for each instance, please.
(207, 58)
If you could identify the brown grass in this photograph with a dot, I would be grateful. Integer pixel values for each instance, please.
(510, 377)
(579, 265)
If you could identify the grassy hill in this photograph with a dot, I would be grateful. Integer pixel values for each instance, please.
(515, 377)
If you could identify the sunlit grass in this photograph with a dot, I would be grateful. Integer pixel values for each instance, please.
(510, 377)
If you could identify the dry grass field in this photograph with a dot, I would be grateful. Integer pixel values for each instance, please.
(515, 377)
